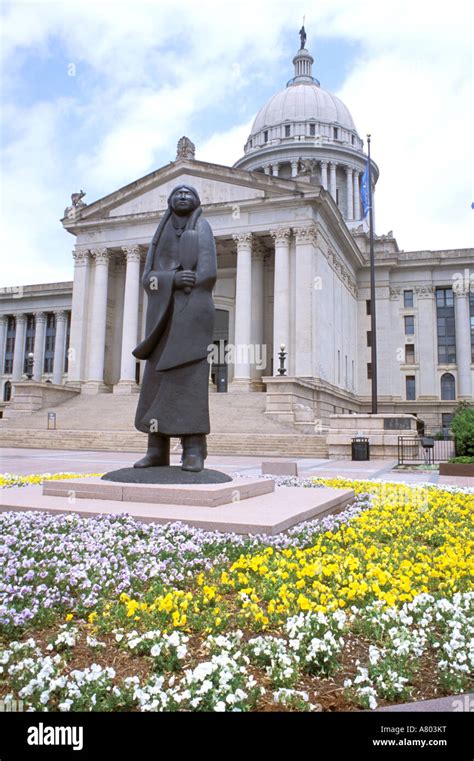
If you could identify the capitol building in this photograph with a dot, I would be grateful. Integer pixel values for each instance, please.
(293, 270)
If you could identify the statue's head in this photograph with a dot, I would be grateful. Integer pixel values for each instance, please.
(184, 199)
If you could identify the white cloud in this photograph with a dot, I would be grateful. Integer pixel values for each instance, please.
(224, 147)
(147, 70)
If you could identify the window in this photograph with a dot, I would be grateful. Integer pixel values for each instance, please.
(448, 387)
(409, 324)
(67, 342)
(335, 133)
(408, 299)
(352, 139)
(410, 388)
(446, 326)
(367, 306)
(287, 130)
(337, 196)
(30, 339)
(446, 419)
(49, 343)
(369, 370)
(265, 136)
(369, 338)
(312, 130)
(409, 354)
(7, 391)
(471, 309)
(9, 346)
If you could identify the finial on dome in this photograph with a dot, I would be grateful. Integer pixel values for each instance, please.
(303, 62)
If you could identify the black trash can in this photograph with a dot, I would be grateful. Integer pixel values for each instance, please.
(360, 448)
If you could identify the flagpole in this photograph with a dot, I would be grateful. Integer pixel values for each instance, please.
(373, 321)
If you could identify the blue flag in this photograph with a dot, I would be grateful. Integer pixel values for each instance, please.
(364, 190)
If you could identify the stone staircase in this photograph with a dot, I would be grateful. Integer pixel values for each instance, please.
(239, 426)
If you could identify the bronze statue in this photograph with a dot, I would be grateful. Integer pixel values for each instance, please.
(302, 34)
(179, 275)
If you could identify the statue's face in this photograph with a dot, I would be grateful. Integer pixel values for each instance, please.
(183, 201)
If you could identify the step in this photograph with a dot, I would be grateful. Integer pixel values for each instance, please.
(229, 413)
(250, 444)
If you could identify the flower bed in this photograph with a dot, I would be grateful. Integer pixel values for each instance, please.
(368, 607)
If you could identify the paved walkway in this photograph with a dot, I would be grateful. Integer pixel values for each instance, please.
(26, 461)
(457, 481)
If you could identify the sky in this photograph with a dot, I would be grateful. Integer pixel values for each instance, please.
(96, 93)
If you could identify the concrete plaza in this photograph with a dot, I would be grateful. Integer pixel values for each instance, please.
(27, 461)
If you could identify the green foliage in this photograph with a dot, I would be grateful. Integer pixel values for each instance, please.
(462, 428)
(462, 460)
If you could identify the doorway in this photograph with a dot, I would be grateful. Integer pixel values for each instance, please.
(219, 367)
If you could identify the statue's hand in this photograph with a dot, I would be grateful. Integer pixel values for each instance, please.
(184, 279)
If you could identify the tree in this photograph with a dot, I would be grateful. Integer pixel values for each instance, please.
(462, 427)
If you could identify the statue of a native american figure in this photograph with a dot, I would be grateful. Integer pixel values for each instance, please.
(180, 273)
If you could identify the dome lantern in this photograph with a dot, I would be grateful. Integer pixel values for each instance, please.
(303, 63)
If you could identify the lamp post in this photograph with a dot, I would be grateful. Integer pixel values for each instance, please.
(373, 324)
(29, 365)
(282, 357)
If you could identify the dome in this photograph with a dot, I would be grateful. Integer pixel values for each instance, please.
(303, 102)
(305, 132)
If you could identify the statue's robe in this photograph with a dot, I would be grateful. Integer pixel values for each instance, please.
(179, 329)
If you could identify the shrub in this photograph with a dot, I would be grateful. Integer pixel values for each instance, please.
(462, 427)
(462, 460)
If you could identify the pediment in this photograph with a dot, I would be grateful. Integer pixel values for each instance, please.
(215, 184)
(210, 191)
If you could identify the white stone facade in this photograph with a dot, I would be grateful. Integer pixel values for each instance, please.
(293, 269)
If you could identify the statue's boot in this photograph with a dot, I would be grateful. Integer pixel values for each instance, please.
(158, 452)
(194, 452)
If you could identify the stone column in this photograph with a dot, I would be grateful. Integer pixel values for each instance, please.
(243, 315)
(304, 286)
(59, 346)
(281, 295)
(324, 174)
(19, 350)
(98, 322)
(258, 304)
(274, 169)
(79, 323)
(3, 338)
(332, 168)
(463, 344)
(356, 195)
(38, 351)
(127, 383)
(266, 168)
(294, 168)
(426, 343)
(350, 193)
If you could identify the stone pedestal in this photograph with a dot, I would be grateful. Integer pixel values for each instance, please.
(126, 387)
(95, 387)
(31, 396)
(383, 442)
(241, 506)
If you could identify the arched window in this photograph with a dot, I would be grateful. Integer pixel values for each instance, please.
(7, 391)
(448, 387)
